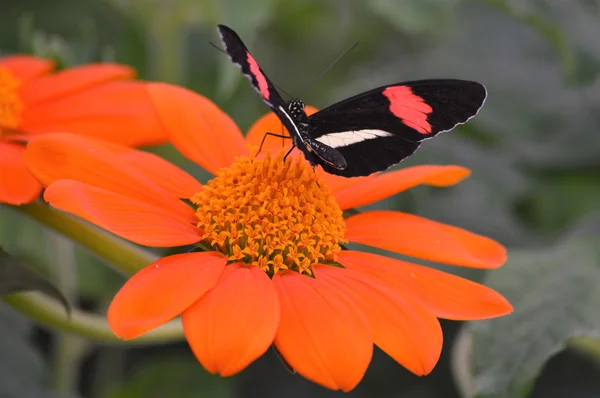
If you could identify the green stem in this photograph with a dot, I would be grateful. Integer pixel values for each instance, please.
(460, 363)
(589, 346)
(51, 314)
(69, 349)
(68, 353)
(117, 252)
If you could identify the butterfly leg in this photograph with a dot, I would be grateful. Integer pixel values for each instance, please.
(314, 167)
(288, 152)
(274, 135)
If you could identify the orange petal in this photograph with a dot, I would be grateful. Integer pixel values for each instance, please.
(163, 290)
(401, 327)
(445, 295)
(116, 111)
(162, 173)
(52, 157)
(358, 192)
(17, 185)
(197, 127)
(26, 67)
(138, 221)
(71, 80)
(422, 238)
(234, 323)
(156, 169)
(271, 123)
(321, 333)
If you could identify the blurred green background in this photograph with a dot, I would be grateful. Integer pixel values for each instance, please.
(534, 151)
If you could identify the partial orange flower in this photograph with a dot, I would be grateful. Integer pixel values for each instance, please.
(273, 265)
(98, 100)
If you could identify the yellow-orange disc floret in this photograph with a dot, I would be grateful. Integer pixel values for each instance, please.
(10, 104)
(274, 214)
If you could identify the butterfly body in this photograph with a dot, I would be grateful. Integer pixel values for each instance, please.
(371, 131)
(300, 130)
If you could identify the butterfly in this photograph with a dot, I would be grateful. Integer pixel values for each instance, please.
(368, 132)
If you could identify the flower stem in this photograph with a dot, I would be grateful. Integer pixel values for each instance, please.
(69, 349)
(51, 314)
(117, 252)
(587, 345)
(67, 357)
(124, 256)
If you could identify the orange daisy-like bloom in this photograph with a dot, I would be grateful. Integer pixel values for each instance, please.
(94, 100)
(273, 268)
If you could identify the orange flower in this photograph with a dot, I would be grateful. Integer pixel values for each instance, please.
(273, 268)
(94, 100)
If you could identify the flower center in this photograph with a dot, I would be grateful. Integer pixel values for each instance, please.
(274, 214)
(10, 104)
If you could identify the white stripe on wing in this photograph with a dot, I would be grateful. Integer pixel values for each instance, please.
(346, 138)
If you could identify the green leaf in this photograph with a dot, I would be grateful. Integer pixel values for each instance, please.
(15, 277)
(556, 294)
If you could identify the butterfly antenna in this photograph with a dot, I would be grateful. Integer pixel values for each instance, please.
(331, 65)
(218, 48)
(282, 90)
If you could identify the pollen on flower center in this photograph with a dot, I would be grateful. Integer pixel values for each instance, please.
(10, 104)
(274, 214)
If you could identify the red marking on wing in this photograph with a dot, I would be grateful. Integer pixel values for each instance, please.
(263, 86)
(412, 109)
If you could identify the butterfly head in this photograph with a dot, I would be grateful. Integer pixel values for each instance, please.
(296, 109)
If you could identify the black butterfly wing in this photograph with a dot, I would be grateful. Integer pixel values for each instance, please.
(239, 55)
(379, 128)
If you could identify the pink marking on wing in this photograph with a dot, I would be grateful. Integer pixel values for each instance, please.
(263, 86)
(412, 109)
